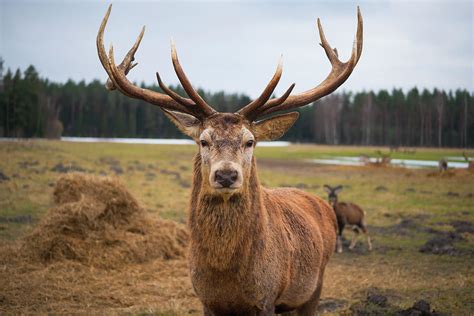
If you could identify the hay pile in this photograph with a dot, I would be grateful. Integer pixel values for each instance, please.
(97, 252)
(97, 222)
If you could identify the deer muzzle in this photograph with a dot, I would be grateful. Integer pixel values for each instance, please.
(226, 175)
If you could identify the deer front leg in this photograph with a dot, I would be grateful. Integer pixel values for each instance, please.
(339, 244)
(354, 239)
(340, 227)
(369, 242)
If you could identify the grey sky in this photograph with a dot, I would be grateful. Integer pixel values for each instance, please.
(235, 45)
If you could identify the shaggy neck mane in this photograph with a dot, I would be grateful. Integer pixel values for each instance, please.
(221, 229)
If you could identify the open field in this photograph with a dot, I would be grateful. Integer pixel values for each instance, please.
(405, 208)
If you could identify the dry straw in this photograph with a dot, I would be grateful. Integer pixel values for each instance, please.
(96, 250)
(97, 222)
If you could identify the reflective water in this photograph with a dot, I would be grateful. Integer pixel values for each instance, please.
(408, 163)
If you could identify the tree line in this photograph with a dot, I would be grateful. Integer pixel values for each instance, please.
(31, 106)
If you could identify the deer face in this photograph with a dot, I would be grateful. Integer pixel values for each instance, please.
(226, 144)
(332, 193)
(226, 147)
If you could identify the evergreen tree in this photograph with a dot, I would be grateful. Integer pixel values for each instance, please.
(31, 106)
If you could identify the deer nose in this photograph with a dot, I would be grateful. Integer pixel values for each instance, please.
(226, 177)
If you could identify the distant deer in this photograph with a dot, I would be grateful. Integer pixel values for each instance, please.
(253, 251)
(383, 159)
(347, 214)
(442, 165)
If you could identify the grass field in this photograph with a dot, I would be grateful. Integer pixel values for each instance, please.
(405, 208)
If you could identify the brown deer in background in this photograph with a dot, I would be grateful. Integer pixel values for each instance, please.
(253, 251)
(347, 214)
(442, 165)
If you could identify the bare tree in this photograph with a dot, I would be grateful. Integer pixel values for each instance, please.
(53, 127)
(332, 109)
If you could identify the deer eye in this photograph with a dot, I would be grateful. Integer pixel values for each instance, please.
(249, 144)
(204, 143)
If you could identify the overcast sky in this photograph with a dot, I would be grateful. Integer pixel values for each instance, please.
(235, 45)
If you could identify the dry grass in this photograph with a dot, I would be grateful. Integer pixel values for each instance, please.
(72, 287)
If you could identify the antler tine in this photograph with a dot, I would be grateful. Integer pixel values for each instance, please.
(173, 94)
(339, 73)
(208, 110)
(126, 65)
(153, 97)
(277, 102)
(104, 59)
(250, 109)
(118, 80)
(184, 101)
(359, 36)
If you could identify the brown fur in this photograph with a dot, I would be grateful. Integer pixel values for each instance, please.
(347, 214)
(350, 213)
(258, 251)
(442, 165)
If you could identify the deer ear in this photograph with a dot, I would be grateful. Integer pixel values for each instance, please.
(274, 127)
(327, 188)
(186, 123)
(338, 189)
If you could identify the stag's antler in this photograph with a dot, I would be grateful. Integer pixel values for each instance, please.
(339, 73)
(252, 108)
(169, 101)
(197, 107)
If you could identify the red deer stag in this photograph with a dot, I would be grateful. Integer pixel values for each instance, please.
(253, 251)
(347, 214)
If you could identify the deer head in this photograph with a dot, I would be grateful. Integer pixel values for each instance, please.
(226, 140)
(332, 193)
